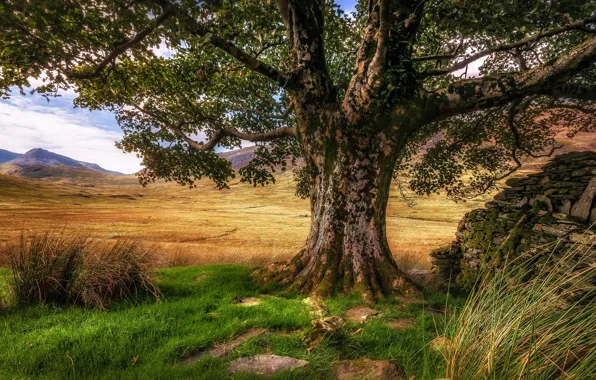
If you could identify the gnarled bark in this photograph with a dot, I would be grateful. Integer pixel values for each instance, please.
(346, 249)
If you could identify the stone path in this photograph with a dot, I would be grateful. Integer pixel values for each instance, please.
(224, 349)
(366, 369)
(408, 299)
(360, 314)
(265, 365)
(401, 324)
(249, 301)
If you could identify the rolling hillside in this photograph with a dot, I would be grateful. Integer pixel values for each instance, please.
(41, 157)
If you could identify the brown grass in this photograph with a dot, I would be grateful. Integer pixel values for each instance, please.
(243, 224)
(54, 267)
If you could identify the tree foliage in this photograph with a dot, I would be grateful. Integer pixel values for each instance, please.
(230, 74)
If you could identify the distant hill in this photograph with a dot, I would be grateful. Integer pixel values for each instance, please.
(6, 156)
(239, 157)
(40, 157)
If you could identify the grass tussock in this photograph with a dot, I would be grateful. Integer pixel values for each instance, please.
(543, 328)
(58, 268)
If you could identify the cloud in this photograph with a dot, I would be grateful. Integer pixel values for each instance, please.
(84, 136)
(163, 50)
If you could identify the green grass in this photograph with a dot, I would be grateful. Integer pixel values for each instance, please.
(147, 340)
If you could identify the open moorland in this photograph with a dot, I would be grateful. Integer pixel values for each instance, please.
(242, 224)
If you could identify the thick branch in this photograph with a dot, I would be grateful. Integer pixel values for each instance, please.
(195, 27)
(159, 20)
(549, 79)
(232, 132)
(578, 25)
(283, 116)
(220, 134)
(378, 60)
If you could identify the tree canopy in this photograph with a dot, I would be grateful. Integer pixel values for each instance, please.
(230, 75)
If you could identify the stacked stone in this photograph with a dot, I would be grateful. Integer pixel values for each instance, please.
(555, 205)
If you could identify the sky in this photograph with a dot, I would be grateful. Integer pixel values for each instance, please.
(28, 122)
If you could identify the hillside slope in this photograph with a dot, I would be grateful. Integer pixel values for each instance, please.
(42, 157)
(6, 156)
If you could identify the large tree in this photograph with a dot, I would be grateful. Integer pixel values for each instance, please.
(355, 96)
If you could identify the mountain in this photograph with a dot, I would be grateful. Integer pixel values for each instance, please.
(41, 158)
(239, 157)
(6, 156)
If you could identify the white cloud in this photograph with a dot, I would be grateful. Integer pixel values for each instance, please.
(25, 125)
(162, 50)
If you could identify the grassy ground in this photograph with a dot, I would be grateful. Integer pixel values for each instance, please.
(243, 224)
(148, 340)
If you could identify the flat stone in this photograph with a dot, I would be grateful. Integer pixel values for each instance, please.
(514, 182)
(420, 276)
(558, 230)
(401, 324)
(592, 216)
(566, 207)
(265, 365)
(559, 216)
(201, 277)
(249, 301)
(360, 314)
(224, 349)
(501, 196)
(408, 299)
(581, 208)
(545, 200)
(522, 202)
(366, 369)
(582, 238)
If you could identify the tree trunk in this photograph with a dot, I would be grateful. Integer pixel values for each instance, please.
(347, 250)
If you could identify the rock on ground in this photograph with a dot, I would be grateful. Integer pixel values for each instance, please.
(360, 314)
(224, 349)
(581, 209)
(265, 365)
(401, 324)
(249, 301)
(366, 369)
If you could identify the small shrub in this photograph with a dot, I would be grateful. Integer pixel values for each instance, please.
(45, 266)
(513, 327)
(56, 268)
(114, 272)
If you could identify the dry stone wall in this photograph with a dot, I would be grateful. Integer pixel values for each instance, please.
(545, 214)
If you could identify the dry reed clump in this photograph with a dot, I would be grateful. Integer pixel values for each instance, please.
(58, 268)
(542, 328)
(117, 271)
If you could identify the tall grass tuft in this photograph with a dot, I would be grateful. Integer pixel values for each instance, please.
(513, 327)
(57, 268)
(114, 272)
(45, 266)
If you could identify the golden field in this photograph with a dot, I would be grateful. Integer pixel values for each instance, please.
(242, 224)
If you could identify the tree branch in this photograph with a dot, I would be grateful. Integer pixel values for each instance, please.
(550, 79)
(283, 116)
(578, 25)
(220, 133)
(195, 27)
(232, 132)
(378, 60)
(159, 20)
